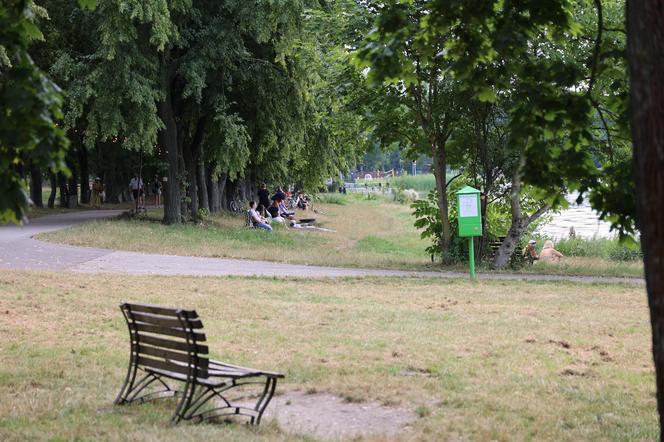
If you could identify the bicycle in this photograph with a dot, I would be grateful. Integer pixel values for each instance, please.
(236, 206)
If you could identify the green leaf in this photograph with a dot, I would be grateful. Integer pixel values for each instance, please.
(89, 5)
(487, 95)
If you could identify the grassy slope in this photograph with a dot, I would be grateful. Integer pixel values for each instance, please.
(487, 361)
(368, 233)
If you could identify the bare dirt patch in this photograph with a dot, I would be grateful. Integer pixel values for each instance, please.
(325, 416)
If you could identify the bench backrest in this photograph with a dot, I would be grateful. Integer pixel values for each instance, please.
(167, 339)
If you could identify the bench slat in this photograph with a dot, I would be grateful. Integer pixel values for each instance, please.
(168, 354)
(173, 345)
(180, 377)
(159, 310)
(170, 366)
(172, 322)
(179, 333)
(218, 365)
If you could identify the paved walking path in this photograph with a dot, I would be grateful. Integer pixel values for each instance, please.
(18, 250)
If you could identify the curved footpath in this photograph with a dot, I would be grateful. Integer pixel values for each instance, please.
(19, 251)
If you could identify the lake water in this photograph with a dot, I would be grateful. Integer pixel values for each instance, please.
(580, 216)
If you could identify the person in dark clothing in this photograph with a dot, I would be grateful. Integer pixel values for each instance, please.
(279, 195)
(274, 209)
(263, 198)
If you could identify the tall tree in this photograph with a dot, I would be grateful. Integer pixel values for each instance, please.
(397, 53)
(645, 37)
(29, 105)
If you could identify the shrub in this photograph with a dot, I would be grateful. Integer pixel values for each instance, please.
(612, 249)
(422, 183)
(427, 218)
(625, 252)
(406, 196)
(332, 198)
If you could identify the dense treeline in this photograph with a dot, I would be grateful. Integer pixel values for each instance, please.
(213, 97)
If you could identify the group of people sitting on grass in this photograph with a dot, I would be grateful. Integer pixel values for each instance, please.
(548, 253)
(275, 208)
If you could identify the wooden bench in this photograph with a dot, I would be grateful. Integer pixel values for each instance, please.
(495, 245)
(168, 344)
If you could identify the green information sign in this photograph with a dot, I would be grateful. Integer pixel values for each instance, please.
(470, 219)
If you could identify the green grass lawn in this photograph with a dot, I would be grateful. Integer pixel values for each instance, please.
(374, 233)
(491, 361)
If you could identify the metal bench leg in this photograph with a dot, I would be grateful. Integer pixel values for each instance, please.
(181, 411)
(128, 385)
(264, 400)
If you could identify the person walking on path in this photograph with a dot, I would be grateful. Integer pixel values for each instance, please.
(138, 191)
(156, 188)
(97, 189)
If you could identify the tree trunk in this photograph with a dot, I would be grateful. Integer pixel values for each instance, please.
(242, 187)
(203, 198)
(168, 139)
(64, 192)
(214, 196)
(229, 192)
(192, 191)
(223, 179)
(485, 230)
(54, 187)
(36, 185)
(85, 172)
(439, 171)
(519, 223)
(510, 243)
(192, 155)
(72, 187)
(645, 46)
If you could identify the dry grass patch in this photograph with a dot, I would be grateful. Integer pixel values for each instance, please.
(485, 361)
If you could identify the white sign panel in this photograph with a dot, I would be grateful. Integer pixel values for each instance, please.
(467, 205)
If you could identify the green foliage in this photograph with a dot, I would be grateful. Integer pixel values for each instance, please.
(405, 196)
(612, 249)
(332, 198)
(427, 218)
(421, 183)
(561, 65)
(30, 104)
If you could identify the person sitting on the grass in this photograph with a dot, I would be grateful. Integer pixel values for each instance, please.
(273, 210)
(529, 251)
(550, 254)
(279, 195)
(257, 220)
(301, 201)
(284, 212)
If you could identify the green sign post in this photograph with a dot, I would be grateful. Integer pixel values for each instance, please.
(470, 219)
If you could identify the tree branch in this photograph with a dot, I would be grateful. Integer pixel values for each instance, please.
(598, 43)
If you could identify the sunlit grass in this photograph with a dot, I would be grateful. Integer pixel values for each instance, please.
(371, 233)
(227, 236)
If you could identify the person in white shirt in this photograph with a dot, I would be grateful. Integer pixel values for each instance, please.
(256, 219)
(138, 190)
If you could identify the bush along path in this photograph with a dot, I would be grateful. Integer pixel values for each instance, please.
(18, 250)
